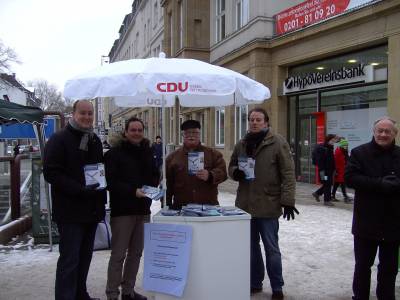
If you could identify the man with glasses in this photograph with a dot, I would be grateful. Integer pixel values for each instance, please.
(193, 171)
(373, 171)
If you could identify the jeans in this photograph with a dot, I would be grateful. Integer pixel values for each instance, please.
(365, 251)
(268, 229)
(127, 243)
(76, 248)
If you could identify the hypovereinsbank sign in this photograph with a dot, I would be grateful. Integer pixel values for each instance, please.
(315, 80)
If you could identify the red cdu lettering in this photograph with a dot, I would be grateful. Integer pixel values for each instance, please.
(183, 89)
(161, 87)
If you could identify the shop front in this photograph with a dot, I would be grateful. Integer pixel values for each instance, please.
(340, 95)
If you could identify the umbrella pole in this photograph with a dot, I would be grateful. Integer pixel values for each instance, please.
(40, 134)
(164, 178)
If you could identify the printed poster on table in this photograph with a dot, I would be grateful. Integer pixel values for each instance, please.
(167, 249)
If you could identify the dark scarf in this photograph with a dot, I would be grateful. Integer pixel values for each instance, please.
(253, 140)
(87, 134)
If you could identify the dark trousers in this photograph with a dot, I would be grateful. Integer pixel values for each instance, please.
(343, 188)
(76, 248)
(325, 189)
(364, 253)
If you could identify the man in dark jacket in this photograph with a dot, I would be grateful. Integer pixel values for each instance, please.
(129, 166)
(325, 161)
(77, 208)
(373, 171)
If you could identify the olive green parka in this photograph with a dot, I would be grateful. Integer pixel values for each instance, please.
(274, 184)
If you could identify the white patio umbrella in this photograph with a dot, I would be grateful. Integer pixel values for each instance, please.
(156, 81)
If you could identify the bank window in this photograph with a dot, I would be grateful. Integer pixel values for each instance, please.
(241, 124)
(219, 126)
(219, 20)
(242, 13)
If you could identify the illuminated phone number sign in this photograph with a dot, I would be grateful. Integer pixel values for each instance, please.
(309, 12)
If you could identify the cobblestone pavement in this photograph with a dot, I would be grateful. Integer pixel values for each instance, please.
(27, 271)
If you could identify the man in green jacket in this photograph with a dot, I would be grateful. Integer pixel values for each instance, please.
(263, 165)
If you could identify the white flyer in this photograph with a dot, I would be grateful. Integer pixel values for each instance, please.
(95, 173)
(195, 162)
(152, 192)
(246, 164)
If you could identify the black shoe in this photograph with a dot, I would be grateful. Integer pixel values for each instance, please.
(348, 200)
(127, 297)
(255, 290)
(277, 295)
(328, 203)
(333, 199)
(316, 196)
(138, 296)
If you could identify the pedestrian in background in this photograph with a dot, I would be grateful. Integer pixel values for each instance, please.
(77, 208)
(341, 158)
(156, 149)
(373, 171)
(262, 164)
(16, 149)
(129, 166)
(200, 186)
(325, 161)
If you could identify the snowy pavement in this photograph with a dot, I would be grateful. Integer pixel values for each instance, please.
(317, 252)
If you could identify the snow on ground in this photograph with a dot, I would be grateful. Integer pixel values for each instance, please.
(317, 253)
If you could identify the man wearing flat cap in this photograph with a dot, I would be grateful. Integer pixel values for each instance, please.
(193, 171)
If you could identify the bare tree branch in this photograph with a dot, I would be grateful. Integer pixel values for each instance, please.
(7, 57)
(51, 98)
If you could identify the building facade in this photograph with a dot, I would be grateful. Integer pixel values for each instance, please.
(330, 69)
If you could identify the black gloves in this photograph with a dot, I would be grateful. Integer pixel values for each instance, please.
(91, 189)
(390, 184)
(288, 212)
(238, 175)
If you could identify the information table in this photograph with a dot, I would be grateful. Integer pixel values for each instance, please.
(220, 258)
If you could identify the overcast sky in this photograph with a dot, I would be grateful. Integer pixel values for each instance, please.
(58, 39)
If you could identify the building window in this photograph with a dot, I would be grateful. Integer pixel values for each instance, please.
(181, 120)
(219, 126)
(171, 126)
(220, 20)
(242, 13)
(171, 35)
(241, 124)
(181, 25)
(155, 14)
(136, 44)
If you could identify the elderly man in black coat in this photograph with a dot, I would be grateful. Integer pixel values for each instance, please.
(374, 172)
(77, 207)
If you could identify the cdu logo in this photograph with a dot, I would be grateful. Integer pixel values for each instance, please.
(172, 86)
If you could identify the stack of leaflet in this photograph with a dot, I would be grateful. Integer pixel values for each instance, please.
(198, 210)
(231, 211)
(170, 212)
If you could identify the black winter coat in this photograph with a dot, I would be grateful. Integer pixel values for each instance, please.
(325, 159)
(129, 167)
(376, 214)
(63, 168)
